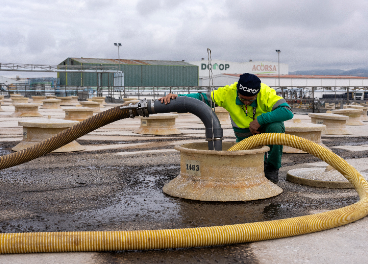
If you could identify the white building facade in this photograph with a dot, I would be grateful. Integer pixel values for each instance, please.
(9, 81)
(293, 80)
(255, 67)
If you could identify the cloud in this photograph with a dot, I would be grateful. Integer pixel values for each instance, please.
(38, 40)
(309, 33)
(147, 7)
(11, 37)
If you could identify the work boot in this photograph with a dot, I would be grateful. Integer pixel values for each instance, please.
(271, 172)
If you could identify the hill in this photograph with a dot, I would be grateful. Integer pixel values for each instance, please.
(362, 72)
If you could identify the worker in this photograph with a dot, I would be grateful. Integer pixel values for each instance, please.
(254, 108)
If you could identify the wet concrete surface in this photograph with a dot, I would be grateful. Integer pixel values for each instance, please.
(104, 190)
(100, 190)
(122, 196)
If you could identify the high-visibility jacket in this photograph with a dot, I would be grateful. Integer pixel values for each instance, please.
(241, 115)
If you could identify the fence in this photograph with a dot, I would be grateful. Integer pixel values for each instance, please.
(299, 98)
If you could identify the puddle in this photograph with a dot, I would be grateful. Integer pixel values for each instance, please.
(359, 143)
(73, 197)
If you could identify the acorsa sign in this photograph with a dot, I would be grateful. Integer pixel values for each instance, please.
(264, 68)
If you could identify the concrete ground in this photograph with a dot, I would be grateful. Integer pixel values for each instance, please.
(117, 142)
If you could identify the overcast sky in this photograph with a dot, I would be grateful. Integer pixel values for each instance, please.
(311, 34)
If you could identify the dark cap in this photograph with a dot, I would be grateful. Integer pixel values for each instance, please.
(248, 84)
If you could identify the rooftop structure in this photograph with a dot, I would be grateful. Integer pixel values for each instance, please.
(128, 73)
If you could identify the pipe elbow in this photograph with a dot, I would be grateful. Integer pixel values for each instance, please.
(183, 104)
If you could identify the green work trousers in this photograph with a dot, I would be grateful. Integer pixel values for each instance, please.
(275, 153)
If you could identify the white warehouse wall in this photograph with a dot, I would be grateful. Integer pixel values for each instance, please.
(291, 80)
(255, 67)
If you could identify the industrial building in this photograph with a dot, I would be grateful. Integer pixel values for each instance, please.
(96, 72)
(307, 86)
(287, 80)
(276, 75)
(118, 78)
(231, 67)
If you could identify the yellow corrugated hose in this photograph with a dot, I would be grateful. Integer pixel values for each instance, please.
(205, 236)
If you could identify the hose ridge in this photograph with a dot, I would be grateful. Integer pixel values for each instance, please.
(64, 137)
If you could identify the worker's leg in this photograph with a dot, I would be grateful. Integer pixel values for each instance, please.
(241, 136)
(273, 162)
(275, 153)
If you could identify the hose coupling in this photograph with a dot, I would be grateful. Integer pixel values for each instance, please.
(141, 107)
(213, 139)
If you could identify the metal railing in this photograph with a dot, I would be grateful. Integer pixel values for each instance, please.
(299, 98)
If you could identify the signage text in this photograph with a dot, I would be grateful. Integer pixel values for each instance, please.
(216, 66)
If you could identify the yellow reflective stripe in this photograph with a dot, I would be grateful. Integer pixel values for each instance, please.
(226, 98)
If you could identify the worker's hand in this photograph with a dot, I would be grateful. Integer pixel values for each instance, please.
(166, 99)
(254, 126)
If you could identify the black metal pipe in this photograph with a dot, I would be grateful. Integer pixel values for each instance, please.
(183, 104)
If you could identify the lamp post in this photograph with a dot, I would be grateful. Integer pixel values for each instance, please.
(278, 70)
(119, 45)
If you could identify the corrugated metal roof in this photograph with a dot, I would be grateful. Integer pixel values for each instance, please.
(131, 62)
(303, 76)
(167, 63)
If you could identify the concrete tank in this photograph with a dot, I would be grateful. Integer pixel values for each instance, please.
(209, 175)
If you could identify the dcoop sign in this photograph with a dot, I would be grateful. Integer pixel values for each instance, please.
(215, 66)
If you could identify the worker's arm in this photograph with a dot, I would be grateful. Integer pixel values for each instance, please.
(166, 99)
(280, 114)
(200, 96)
